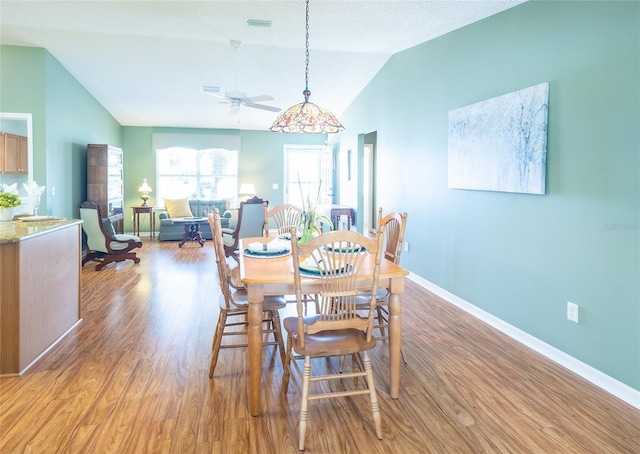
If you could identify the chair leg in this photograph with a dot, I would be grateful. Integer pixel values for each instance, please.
(380, 320)
(277, 333)
(117, 258)
(287, 365)
(217, 341)
(355, 368)
(304, 402)
(375, 406)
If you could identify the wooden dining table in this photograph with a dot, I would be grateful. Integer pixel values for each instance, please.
(274, 276)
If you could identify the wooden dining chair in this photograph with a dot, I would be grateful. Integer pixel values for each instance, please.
(234, 304)
(102, 246)
(285, 216)
(252, 222)
(394, 225)
(335, 259)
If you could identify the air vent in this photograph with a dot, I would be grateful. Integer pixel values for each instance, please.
(258, 23)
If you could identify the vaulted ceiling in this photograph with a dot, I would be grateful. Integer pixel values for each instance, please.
(145, 61)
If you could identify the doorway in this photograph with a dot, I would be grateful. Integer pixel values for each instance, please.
(308, 174)
(369, 176)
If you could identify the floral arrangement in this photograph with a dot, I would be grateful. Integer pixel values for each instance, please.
(9, 200)
(34, 192)
(309, 218)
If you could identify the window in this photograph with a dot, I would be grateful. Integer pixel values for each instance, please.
(210, 174)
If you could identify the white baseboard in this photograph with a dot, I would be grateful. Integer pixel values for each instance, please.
(601, 380)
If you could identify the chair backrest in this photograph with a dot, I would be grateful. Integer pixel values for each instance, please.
(338, 260)
(285, 216)
(394, 226)
(252, 218)
(224, 273)
(97, 237)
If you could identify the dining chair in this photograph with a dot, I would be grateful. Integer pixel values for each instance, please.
(252, 222)
(287, 216)
(105, 246)
(284, 216)
(234, 304)
(335, 259)
(394, 224)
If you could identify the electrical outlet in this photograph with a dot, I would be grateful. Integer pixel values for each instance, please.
(53, 190)
(573, 312)
(406, 246)
(274, 186)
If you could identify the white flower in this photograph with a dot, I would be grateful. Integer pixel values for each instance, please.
(12, 188)
(33, 189)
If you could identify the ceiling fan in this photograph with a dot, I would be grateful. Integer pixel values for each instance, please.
(237, 98)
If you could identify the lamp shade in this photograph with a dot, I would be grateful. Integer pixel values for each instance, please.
(307, 117)
(247, 189)
(145, 187)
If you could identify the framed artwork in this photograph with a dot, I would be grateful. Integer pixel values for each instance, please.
(500, 144)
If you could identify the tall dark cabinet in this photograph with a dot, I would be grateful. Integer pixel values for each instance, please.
(105, 181)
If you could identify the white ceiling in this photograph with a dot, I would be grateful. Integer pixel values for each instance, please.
(145, 61)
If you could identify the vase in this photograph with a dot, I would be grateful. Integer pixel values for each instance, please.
(306, 227)
(6, 214)
(307, 235)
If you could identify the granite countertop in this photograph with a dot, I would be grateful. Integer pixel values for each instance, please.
(15, 231)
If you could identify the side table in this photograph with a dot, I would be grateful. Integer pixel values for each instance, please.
(137, 211)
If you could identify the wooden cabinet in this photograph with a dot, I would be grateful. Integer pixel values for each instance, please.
(14, 157)
(39, 289)
(105, 181)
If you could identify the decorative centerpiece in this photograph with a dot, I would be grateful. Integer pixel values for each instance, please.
(8, 203)
(309, 218)
(34, 192)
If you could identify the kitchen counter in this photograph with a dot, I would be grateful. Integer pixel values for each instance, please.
(14, 231)
(40, 264)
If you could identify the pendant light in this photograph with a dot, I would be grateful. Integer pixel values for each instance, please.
(307, 117)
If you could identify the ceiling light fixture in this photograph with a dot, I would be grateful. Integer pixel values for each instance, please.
(307, 117)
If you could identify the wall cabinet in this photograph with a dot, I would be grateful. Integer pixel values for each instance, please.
(105, 181)
(14, 157)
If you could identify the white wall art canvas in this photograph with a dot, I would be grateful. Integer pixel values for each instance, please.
(500, 144)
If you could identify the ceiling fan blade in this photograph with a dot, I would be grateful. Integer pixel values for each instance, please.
(234, 109)
(262, 106)
(259, 98)
(211, 90)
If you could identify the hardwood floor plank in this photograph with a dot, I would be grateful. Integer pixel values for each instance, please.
(133, 378)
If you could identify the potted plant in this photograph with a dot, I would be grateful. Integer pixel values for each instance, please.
(309, 218)
(8, 202)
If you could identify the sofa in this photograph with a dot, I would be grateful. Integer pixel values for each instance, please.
(169, 231)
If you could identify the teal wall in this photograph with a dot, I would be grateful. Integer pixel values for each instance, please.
(522, 257)
(74, 119)
(65, 119)
(22, 90)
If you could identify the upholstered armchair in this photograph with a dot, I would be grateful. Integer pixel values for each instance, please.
(105, 246)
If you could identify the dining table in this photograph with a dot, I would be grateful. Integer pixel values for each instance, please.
(273, 275)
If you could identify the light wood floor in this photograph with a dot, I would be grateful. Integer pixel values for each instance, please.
(132, 378)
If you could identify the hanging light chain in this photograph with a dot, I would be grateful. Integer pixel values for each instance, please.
(306, 92)
(306, 117)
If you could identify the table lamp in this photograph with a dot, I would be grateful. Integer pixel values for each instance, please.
(144, 191)
(246, 191)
